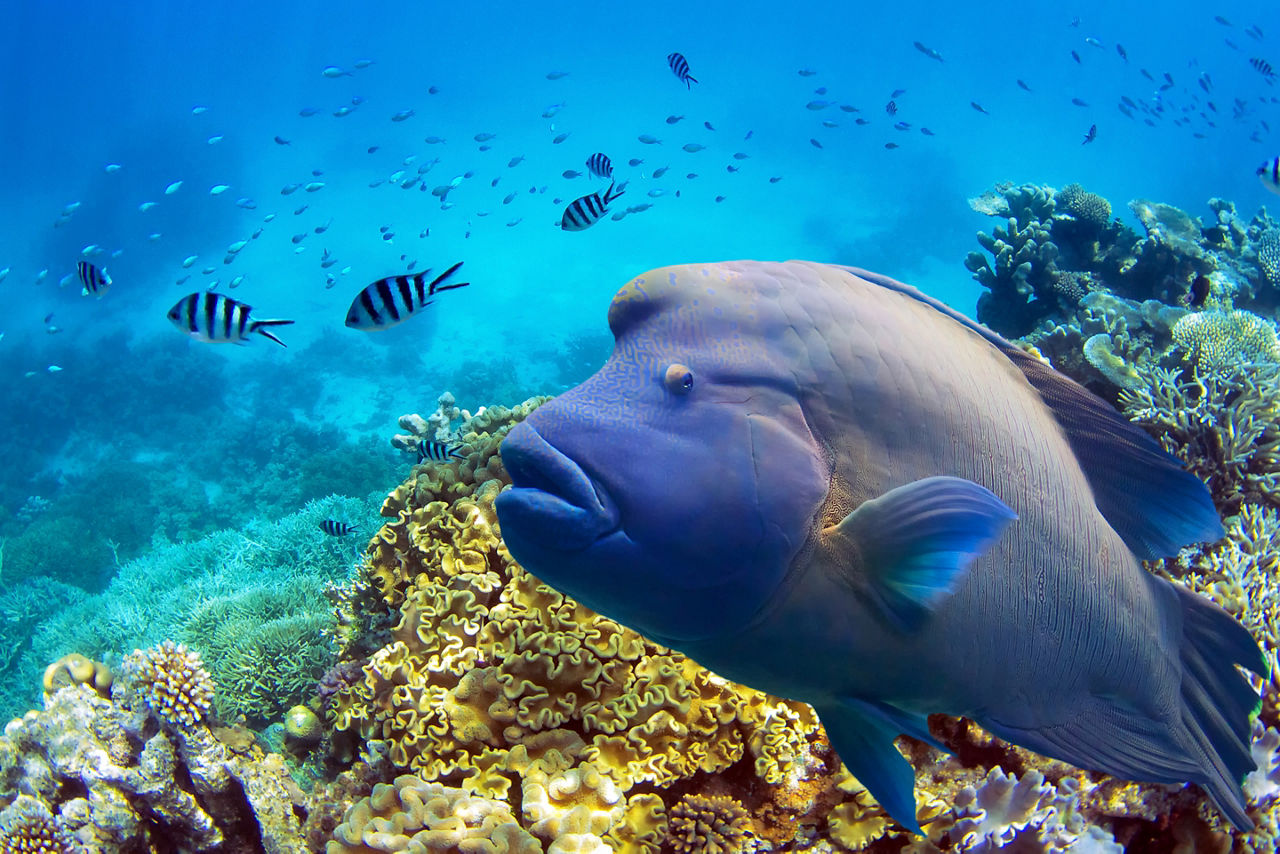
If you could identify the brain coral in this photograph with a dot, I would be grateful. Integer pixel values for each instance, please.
(173, 681)
(1086, 207)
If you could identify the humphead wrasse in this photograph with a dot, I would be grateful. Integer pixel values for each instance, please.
(819, 482)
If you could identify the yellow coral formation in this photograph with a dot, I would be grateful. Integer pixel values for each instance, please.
(75, 669)
(699, 824)
(27, 827)
(173, 681)
(412, 815)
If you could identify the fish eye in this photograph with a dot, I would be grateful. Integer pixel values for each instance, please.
(678, 379)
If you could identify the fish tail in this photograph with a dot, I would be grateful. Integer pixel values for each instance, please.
(689, 81)
(260, 326)
(1218, 703)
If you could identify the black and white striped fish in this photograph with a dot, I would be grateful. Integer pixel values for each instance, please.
(438, 452)
(94, 279)
(218, 319)
(335, 528)
(585, 212)
(600, 165)
(1269, 174)
(680, 67)
(394, 299)
(1262, 66)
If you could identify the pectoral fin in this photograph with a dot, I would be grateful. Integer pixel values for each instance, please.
(863, 739)
(910, 548)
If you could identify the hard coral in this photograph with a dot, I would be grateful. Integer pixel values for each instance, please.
(76, 669)
(28, 827)
(1083, 206)
(699, 824)
(1215, 339)
(173, 681)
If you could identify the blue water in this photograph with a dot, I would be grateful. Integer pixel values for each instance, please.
(145, 437)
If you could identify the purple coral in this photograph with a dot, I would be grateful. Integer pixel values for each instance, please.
(338, 678)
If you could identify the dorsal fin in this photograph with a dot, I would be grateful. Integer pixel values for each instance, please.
(1152, 502)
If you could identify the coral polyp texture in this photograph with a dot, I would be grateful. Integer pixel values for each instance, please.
(173, 681)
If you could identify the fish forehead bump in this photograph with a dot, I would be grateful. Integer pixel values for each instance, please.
(736, 286)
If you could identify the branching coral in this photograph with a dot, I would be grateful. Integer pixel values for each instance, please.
(1218, 339)
(1020, 285)
(1085, 207)
(28, 827)
(701, 824)
(173, 681)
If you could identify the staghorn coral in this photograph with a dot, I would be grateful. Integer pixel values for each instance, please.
(173, 681)
(28, 827)
(1224, 423)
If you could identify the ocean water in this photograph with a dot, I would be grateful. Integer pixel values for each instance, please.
(122, 437)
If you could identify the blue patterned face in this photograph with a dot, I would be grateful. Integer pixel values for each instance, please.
(671, 490)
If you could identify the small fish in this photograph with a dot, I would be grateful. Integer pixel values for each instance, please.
(344, 110)
(660, 171)
(902, 126)
(434, 140)
(1091, 135)
(693, 147)
(891, 145)
(1199, 291)
(113, 167)
(891, 108)
(561, 137)
(363, 63)
(402, 115)
(926, 132)
(1120, 50)
(649, 139)
(599, 165)
(1147, 74)
(571, 173)
(53, 369)
(1022, 85)
(515, 161)
(849, 108)
(314, 186)
(557, 75)
(173, 188)
(928, 51)
(708, 126)
(484, 136)
(437, 451)
(978, 107)
(657, 193)
(1262, 66)
(335, 528)
(680, 68)
(584, 212)
(217, 319)
(550, 112)
(214, 140)
(333, 72)
(814, 143)
(93, 280)
(775, 179)
(1269, 174)
(199, 110)
(146, 206)
(509, 198)
(818, 105)
(219, 189)
(390, 301)
(673, 119)
(1222, 20)
(1078, 102)
(806, 72)
(308, 112)
(189, 260)
(1091, 41)
(635, 161)
(1075, 56)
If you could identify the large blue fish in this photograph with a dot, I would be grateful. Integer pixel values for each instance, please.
(821, 483)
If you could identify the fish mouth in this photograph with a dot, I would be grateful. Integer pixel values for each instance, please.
(552, 503)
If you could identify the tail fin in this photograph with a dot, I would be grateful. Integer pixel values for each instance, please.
(260, 326)
(610, 194)
(1207, 743)
(1218, 704)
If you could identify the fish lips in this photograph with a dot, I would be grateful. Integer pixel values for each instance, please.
(553, 504)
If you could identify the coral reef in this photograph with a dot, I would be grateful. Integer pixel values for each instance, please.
(173, 681)
(110, 775)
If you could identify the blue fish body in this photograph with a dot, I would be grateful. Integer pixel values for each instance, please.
(819, 482)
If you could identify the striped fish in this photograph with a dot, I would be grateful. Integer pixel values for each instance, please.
(585, 212)
(217, 319)
(1269, 175)
(1262, 66)
(94, 279)
(336, 529)
(437, 452)
(394, 299)
(680, 67)
(599, 165)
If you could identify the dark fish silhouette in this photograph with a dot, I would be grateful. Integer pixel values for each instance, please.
(1091, 135)
(680, 68)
